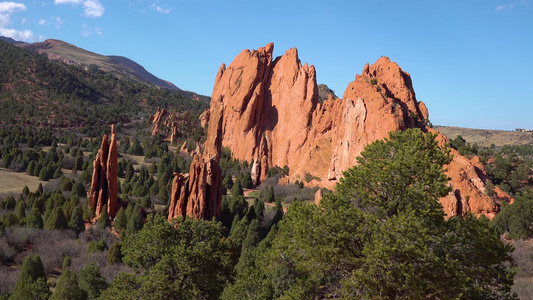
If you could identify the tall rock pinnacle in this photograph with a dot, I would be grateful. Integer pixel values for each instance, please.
(198, 193)
(104, 183)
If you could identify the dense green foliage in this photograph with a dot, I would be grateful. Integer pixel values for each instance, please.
(183, 260)
(382, 234)
(517, 218)
(91, 281)
(510, 168)
(31, 283)
(68, 287)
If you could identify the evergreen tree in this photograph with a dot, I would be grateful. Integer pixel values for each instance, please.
(270, 195)
(79, 189)
(104, 220)
(259, 208)
(31, 283)
(279, 212)
(238, 232)
(114, 256)
(20, 211)
(67, 261)
(68, 287)
(382, 234)
(76, 220)
(246, 181)
(227, 182)
(135, 221)
(34, 218)
(92, 281)
(56, 220)
(162, 196)
(237, 190)
(121, 220)
(184, 260)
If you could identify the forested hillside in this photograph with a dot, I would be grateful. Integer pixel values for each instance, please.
(39, 92)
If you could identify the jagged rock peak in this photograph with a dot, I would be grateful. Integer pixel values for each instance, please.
(272, 117)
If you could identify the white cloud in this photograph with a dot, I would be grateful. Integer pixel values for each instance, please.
(87, 31)
(10, 7)
(67, 1)
(93, 8)
(159, 9)
(58, 21)
(19, 35)
(508, 6)
(6, 9)
(99, 31)
(42, 21)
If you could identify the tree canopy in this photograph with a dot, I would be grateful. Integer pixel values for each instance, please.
(382, 235)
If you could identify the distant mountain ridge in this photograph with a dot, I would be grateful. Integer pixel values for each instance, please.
(121, 66)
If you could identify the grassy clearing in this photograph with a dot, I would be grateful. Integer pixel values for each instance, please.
(13, 182)
(485, 138)
(138, 161)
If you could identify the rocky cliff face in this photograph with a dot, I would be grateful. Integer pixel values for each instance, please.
(198, 193)
(272, 116)
(104, 183)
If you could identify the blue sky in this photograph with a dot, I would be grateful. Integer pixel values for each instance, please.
(471, 61)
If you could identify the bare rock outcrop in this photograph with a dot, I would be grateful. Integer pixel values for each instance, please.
(171, 125)
(104, 183)
(468, 180)
(272, 117)
(198, 193)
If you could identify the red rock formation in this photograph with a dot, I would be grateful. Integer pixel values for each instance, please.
(112, 176)
(468, 180)
(169, 125)
(198, 193)
(272, 117)
(157, 120)
(104, 184)
(318, 196)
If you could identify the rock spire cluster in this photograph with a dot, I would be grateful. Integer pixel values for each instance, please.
(104, 184)
(272, 117)
(198, 193)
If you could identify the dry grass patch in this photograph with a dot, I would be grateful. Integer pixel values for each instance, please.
(13, 182)
(523, 265)
(485, 137)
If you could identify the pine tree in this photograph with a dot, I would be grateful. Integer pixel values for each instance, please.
(34, 218)
(56, 220)
(20, 211)
(104, 220)
(135, 221)
(92, 281)
(67, 261)
(237, 190)
(76, 220)
(121, 220)
(270, 197)
(114, 256)
(31, 283)
(68, 287)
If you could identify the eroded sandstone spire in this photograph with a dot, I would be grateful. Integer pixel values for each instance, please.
(104, 183)
(198, 193)
(272, 117)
